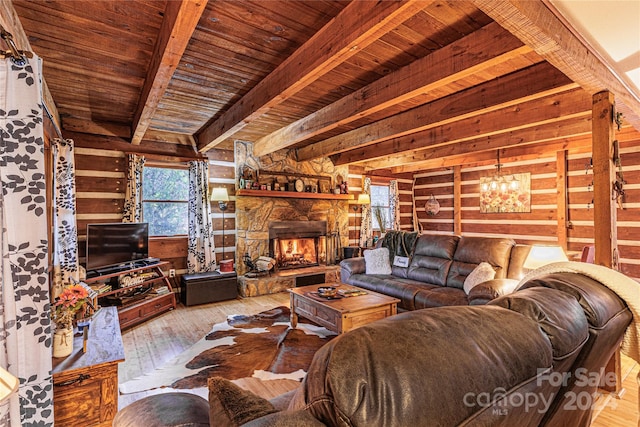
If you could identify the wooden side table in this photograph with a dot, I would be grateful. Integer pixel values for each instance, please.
(85, 385)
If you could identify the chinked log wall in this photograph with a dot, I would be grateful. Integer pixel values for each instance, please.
(541, 225)
(100, 186)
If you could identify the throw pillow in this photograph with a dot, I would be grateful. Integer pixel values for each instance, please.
(229, 405)
(481, 273)
(377, 261)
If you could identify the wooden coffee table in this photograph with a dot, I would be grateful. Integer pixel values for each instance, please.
(339, 315)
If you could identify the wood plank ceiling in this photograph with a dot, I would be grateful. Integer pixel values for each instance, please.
(394, 85)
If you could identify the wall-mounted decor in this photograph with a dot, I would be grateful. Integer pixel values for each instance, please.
(432, 207)
(505, 193)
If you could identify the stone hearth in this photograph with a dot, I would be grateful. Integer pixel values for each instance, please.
(282, 280)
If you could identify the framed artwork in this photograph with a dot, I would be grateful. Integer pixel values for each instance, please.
(325, 185)
(505, 194)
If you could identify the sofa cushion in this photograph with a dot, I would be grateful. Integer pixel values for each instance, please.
(558, 315)
(432, 258)
(377, 261)
(472, 250)
(482, 273)
(405, 290)
(440, 296)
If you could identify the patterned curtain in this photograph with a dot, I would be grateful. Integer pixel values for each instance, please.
(394, 204)
(366, 234)
(201, 248)
(25, 325)
(65, 235)
(132, 211)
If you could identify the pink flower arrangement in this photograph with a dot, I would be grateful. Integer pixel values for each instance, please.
(67, 304)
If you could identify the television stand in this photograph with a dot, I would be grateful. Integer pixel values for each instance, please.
(139, 293)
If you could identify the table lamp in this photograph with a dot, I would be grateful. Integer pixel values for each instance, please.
(8, 384)
(542, 255)
(220, 195)
(363, 199)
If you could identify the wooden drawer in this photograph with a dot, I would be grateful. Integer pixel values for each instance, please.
(87, 397)
(157, 305)
(138, 313)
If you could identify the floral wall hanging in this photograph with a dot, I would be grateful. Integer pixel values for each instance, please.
(509, 195)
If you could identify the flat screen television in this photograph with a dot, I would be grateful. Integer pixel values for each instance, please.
(113, 244)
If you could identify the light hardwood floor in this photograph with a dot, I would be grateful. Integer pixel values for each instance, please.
(157, 341)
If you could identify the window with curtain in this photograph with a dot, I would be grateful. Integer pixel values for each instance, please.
(165, 200)
(380, 199)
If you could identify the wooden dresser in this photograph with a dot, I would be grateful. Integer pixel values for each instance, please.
(85, 385)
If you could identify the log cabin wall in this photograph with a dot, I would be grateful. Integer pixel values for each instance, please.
(222, 174)
(100, 182)
(541, 224)
(356, 182)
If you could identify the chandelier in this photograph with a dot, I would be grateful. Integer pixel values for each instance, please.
(499, 182)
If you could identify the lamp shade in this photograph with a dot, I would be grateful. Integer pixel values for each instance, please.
(542, 255)
(219, 194)
(8, 384)
(363, 199)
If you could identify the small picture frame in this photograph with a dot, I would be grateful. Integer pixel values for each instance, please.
(325, 186)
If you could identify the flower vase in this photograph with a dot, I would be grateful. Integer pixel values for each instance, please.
(62, 342)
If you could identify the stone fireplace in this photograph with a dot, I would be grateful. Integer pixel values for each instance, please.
(255, 214)
(298, 244)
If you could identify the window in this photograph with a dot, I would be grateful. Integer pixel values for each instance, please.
(380, 199)
(165, 200)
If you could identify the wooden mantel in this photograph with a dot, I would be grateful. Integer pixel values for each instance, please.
(293, 194)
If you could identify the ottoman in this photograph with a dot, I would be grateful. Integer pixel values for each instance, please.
(165, 410)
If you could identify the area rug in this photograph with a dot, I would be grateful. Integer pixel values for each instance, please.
(262, 346)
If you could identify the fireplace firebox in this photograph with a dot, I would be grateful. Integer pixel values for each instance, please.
(298, 244)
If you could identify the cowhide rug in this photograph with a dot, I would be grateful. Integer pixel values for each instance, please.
(262, 346)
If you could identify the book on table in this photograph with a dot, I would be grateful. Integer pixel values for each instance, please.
(352, 292)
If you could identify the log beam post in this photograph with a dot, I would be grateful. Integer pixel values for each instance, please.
(604, 205)
(561, 195)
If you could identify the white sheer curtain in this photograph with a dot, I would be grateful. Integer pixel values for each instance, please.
(201, 247)
(25, 328)
(394, 204)
(65, 234)
(132, 211)
(366, 234)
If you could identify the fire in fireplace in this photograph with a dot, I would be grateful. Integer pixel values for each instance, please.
(297, 244)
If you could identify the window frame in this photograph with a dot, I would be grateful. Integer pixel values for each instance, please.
(387, 207)
(162, 165)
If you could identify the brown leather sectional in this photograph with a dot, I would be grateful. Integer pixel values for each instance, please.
(438, 266)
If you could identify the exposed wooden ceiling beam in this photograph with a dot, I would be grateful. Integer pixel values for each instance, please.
(537, 26)
(468, 151)
(490, 96)
(358, 25)
(485, 48)
(554, 108)
(180, 21)
(75, 124)
(122, 144)
(511, 154)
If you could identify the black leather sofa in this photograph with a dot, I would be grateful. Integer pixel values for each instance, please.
(438, 267)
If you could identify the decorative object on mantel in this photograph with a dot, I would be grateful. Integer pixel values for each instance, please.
(72, 300)
(505, 193)
(432, 207)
